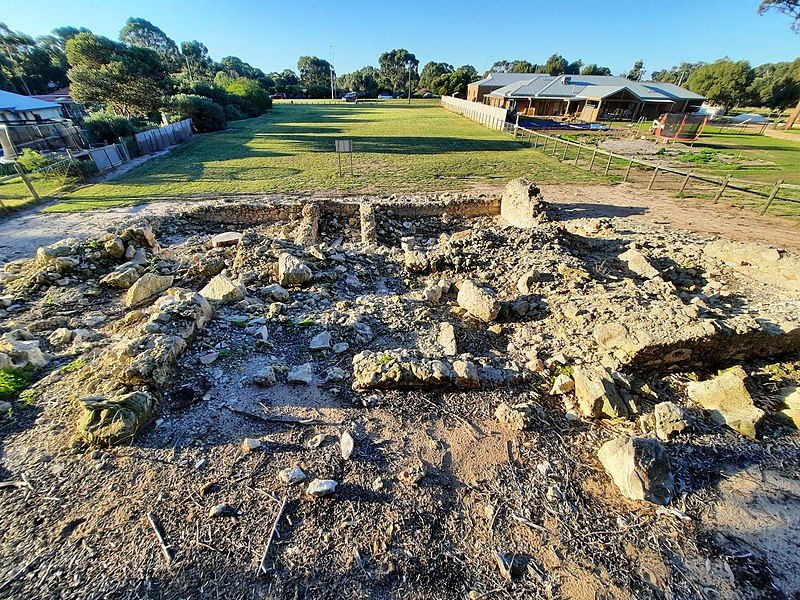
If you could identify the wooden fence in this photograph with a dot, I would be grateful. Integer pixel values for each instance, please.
(488, 116)
(153, 140)
(652, 174)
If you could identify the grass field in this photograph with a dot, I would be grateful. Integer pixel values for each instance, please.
(14, 193)
(398, 148)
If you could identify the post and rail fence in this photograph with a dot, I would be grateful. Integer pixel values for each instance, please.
(651, 174)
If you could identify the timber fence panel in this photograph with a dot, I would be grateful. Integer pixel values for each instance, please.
(492, 117)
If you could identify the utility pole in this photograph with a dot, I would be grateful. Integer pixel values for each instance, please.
(409, 64)
(333, 77)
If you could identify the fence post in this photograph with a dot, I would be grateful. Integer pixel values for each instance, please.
(722, 189)
(591, 162)
(566, 147)
(772, 195)
(628, 169)
(27, 181)
(608, 165)
(577, 156)
(685, 182)
(555, 145)
(652, 180)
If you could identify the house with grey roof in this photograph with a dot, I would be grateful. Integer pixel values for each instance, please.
(15, 108)
(582, 97)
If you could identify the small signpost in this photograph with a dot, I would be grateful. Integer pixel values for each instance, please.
(344, 146)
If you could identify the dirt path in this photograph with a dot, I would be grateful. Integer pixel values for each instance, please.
(21, 234)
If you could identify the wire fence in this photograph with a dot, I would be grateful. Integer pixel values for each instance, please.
(22, 188)
(656, 176)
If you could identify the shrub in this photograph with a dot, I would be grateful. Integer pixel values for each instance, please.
(31, 160)
(246, 89)
(206, 115)
(107, 127)
(233, 113)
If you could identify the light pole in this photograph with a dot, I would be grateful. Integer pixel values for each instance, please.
(409, 64)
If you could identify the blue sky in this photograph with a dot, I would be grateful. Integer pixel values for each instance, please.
(272, 34)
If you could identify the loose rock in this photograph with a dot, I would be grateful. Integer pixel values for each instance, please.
(639, 467)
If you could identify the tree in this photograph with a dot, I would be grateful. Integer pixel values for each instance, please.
(394, 69)
(677, 74)
(286, 82)
(775, 85)
(787, 7)
(791, 8)
(500, 66)
(234, 66)
(15, 45)
(724, 81)
(431, 71)
(449, 84)
(195, 56)
(637, 72)
(315, 76)
(593, 69)
(522, 66)
(127, 80)
(364, 80)
(555, 65)
(143, 34)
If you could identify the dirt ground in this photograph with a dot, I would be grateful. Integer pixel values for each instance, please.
(21, 234)
(440, 497)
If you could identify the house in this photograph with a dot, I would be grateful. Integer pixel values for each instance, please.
(30, 122)
(69, 108)
(15, 108)
(583, 97)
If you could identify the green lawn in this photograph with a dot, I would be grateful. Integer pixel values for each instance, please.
(398, 148)
(784, 155)
(14, 193)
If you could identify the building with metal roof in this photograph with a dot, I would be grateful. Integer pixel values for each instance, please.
(583, 97)
(15, 107)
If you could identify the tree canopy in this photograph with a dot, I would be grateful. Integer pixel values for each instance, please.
(141, 33)
(315, 76)
(724, 81)
(129, 80)
(393, 68)
(787, 7)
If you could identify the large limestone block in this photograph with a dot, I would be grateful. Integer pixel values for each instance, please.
(522, 204)
(728, 402)
(480, 302)
(638, 263)
(639, 467)
(597, 394)
(147, 288)
(292, 271)
(222, 289)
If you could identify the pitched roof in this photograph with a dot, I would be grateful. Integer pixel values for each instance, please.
(527, 85)
(18, 103)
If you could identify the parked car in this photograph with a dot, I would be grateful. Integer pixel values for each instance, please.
(384, 96)
(351, 96)
(429, 95)
(278, 96)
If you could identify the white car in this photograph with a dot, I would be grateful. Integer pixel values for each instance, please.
(385, 96)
